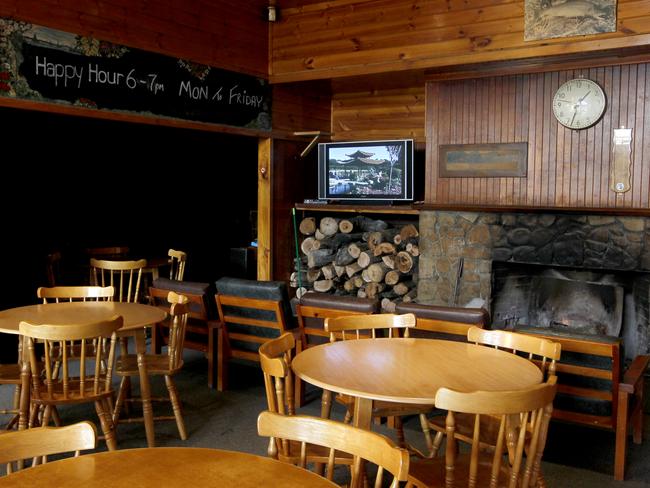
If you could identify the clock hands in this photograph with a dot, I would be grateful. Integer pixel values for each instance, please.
(577, 106)
(583, 97)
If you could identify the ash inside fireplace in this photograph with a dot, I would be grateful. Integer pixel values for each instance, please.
(576, 306)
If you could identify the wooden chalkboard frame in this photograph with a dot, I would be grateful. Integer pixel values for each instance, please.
(483, 160)
(47, 65)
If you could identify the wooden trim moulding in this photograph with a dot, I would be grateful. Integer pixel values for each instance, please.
(573, 61)
(416, 208)
(635, 212)
(362, 209)
(128, 117)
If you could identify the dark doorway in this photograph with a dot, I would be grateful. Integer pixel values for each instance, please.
(76, 182)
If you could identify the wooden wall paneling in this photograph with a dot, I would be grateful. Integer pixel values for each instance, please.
(265, 177)
(342, 38)
(637, 146)
(295, 179)
(299, 107)
(611, 123)
(566, 168)
(644, 153)
(379, 114)
(223, 34)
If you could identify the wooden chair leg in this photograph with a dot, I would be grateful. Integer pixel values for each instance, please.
(108, 428)
(156, 339)
(637, 415)
(54, 413)
(621, 436)
(147, 409)
(176, 406)
(299, 386)
(222, 368)
(426, 430)
(326, 404)
(119, 401)
(47, 414)
(213, 331)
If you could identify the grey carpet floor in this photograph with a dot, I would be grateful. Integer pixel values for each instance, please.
(575, 457)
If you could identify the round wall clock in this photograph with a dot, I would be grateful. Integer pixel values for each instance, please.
(579, 103)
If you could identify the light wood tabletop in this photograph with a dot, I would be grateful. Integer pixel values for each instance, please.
(168, 467)
(135, 315)
(410, 370)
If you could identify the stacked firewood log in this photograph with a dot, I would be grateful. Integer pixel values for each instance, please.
(358, 256)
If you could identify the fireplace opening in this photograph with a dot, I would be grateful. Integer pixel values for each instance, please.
(574, 301)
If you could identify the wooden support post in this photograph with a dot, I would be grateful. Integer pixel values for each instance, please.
(264, 219)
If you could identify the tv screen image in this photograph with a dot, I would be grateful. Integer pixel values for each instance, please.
(366, 170)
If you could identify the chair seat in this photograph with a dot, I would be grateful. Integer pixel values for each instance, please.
(381, 408)
(127, 365)
(10, 374)
(431, 472)
(465, 428)
(315, 454)
(56, 396)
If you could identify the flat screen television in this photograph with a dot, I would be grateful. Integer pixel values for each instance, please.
(366, 170)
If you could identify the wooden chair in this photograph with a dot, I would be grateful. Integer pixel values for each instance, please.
(201, 329)
(360, 443)
(10, 374)
(372, 326)
(448, 323)
(109, 252)
(594, 389)
(53, 268)
(96, 345)
(542, 352)
(166, 365)
(57, 294)
(523, 415)
(125, 276)
(177, 260)
(313, 309)
(251, 313)
(41, 442)
(275, 360)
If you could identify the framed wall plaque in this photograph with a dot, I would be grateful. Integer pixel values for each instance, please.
(483, 160)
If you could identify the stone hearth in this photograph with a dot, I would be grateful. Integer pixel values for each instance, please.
(576, 242)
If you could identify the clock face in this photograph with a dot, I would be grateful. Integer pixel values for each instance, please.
(579, 103)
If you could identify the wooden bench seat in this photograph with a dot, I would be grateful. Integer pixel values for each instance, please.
(593, 390)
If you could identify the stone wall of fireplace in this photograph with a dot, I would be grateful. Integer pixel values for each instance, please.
(470, 242)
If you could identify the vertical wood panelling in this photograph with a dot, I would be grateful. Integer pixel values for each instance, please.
(566, 168)
(265, 175)
(221, 33)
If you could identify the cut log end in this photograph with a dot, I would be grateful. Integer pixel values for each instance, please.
(307, 226)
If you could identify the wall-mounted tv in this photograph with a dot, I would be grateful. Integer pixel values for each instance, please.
(366, 170)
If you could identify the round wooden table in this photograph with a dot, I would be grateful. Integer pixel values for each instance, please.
(410, 370)
(167, 467)
(135, 315)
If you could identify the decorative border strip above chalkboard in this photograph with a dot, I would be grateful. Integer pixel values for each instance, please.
(39, 63)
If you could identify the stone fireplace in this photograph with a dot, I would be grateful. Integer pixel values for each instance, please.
(588, 273)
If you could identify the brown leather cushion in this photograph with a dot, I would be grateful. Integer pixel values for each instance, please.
(475, 316)
(353, 304)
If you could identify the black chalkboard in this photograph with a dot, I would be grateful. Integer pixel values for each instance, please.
(145, 82)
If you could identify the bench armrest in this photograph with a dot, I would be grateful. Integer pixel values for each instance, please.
(634, 374)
